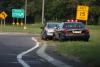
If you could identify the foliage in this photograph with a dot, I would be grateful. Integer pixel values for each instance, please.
(59, 10)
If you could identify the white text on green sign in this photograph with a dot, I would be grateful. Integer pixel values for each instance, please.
(18, 13)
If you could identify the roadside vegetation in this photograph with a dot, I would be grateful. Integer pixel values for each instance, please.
(86, 52)
(31, 28)
(60, 10)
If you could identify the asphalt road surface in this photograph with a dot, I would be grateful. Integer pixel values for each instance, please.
(12, 45)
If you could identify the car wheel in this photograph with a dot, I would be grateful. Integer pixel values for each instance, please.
(54, 38)
(44, 36)
(61, 37)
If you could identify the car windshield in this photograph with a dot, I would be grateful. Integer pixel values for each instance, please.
(52, 25)
(74, 25)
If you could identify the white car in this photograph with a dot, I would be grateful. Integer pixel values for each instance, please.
(48, 29)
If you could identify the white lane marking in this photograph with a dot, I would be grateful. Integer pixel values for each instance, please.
(58, 63)
(19, 57)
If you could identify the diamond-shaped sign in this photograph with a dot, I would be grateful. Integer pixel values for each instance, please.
(3, 15)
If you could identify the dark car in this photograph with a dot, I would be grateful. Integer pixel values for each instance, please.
(71, 30)
(48, 29)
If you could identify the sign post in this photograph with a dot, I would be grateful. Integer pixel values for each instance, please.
(1, 23)
(25, 14)
(3, 16)
(17, 13)
(82, 13)
(13, 22)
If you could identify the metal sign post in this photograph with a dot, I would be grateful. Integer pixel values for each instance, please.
(3, 16)
(13, 22)
(43, 3)
(18, 13)
(4, 20)
(22, 22)
(17, 22)
(25, 14)
(1, 23)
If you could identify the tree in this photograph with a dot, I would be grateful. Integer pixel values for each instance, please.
(59, 10)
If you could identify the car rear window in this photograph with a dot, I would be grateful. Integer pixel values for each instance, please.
(51, 25)
(73, 25)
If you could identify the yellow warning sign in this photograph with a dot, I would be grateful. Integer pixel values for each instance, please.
(82, 12)
(3, 15)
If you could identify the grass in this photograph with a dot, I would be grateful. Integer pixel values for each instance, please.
(31, 28)
(87, 52)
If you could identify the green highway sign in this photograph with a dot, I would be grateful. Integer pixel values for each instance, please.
(18, 13)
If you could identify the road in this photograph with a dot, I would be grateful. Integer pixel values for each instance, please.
(12, 45)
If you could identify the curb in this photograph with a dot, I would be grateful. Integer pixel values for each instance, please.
(58, 63)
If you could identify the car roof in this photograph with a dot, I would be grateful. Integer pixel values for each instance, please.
(61, 25)
(53, 23)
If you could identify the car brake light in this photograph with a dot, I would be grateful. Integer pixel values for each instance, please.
(87, 30)
(68, 20)
(65, 31)
(76, 20)
(72, 20)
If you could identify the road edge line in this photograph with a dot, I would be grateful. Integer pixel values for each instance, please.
(19, 56)
(41, 52)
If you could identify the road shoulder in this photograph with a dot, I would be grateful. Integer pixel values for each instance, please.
(51, 51)
(41, 52)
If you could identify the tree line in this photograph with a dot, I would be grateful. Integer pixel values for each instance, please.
(55, 10)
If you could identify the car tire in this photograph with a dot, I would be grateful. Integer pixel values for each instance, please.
(61, 38)
(54, 38)
(44, 36)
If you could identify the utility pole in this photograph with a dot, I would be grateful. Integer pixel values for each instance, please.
(43, 3)
(25, 14)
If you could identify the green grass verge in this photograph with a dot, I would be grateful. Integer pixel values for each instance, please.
(87, 52)
(31, 28)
